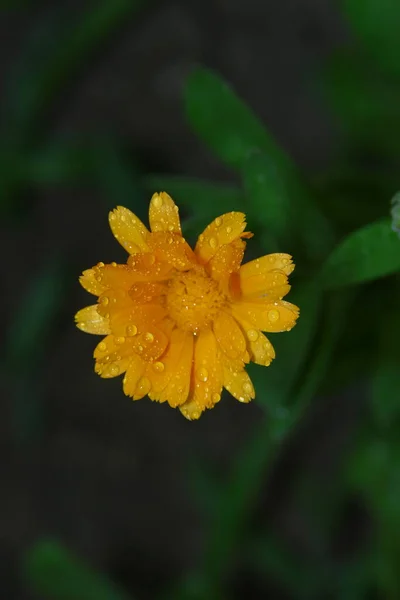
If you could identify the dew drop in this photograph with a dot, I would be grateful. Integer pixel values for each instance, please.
(113, 264)
(229, 229)
(102, 346)
(100, 264)
(273, 315)
(123, 218)
(196, 415)
(120, 339)
(216, 397)
(213, 242)
(140, 349)
(203, 374)
(104, 300)
(201, 237)
(271, 258)
(170, 227)
(252, 334)
(112, 216)
(241, 399)
(218, 222)
(157, 226)
(159, 366)
(149, 337)
(131, 330)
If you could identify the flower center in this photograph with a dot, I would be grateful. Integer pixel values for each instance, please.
(194, 300)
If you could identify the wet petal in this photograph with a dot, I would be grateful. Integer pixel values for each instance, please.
(150, 344)
(207, 376)
(239, 384)
(226, 260)
(260, 349)
(112, 368)
(90, 321)
(131, 321)
(133, 376)
(147, 267)
(90, 282)
(128, 230)
(272, 317)
(164, 214)
(147, 291)
(114, 276)
(271, 284)
(223, 230)
(172, 249)
(170, 376)
(267, 263)
(229, 335)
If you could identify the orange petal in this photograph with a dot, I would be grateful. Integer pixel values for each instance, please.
(267, 316)
(136, 319)
(90, 321)
(173, 250)
(260, 349)
(223, 230)
(112, 369)
(128, 230)
(170, 375)
(267, 263)
(272, 285)
(143, 292)
(147, 267)
(239, 385)
(89, 281)
(150, 344)
(226, 260)
(164, 214)
(114, 276)
(133, 383)
(207, 376)
(229, 336)
(113, 301)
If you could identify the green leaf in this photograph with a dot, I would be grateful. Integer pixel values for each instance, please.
(224, 122)
(233, 133)
(366, 103)
(396, 213)
(282, 204)
(385, 378)
(55, 573)
(377, 23)
(366, 254)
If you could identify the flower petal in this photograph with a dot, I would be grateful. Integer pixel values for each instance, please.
(136, 319)
(114, 276)
(272, 285)
(133, 377)
(170, 376)
(90, 321)
(267, 316)
(229, 336)
(267, 263)
(239, 384)
(207, 376)
(225, 261)
(90, 283)
(223, 230)
(164, 214)
(260, 349)
(112, 369)
(128, 230)
(172, 249)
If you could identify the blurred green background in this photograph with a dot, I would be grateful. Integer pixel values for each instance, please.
(290, 112)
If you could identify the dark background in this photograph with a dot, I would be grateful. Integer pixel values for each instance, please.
(118, 483)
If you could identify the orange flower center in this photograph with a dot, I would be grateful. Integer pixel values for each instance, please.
(194, 299)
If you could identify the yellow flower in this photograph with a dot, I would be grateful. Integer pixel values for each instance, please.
(182, 324)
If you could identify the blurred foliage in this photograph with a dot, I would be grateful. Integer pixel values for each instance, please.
(341, 228)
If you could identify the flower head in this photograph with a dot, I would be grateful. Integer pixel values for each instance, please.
(181, 324)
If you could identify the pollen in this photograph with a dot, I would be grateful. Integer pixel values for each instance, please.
(194, 300)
